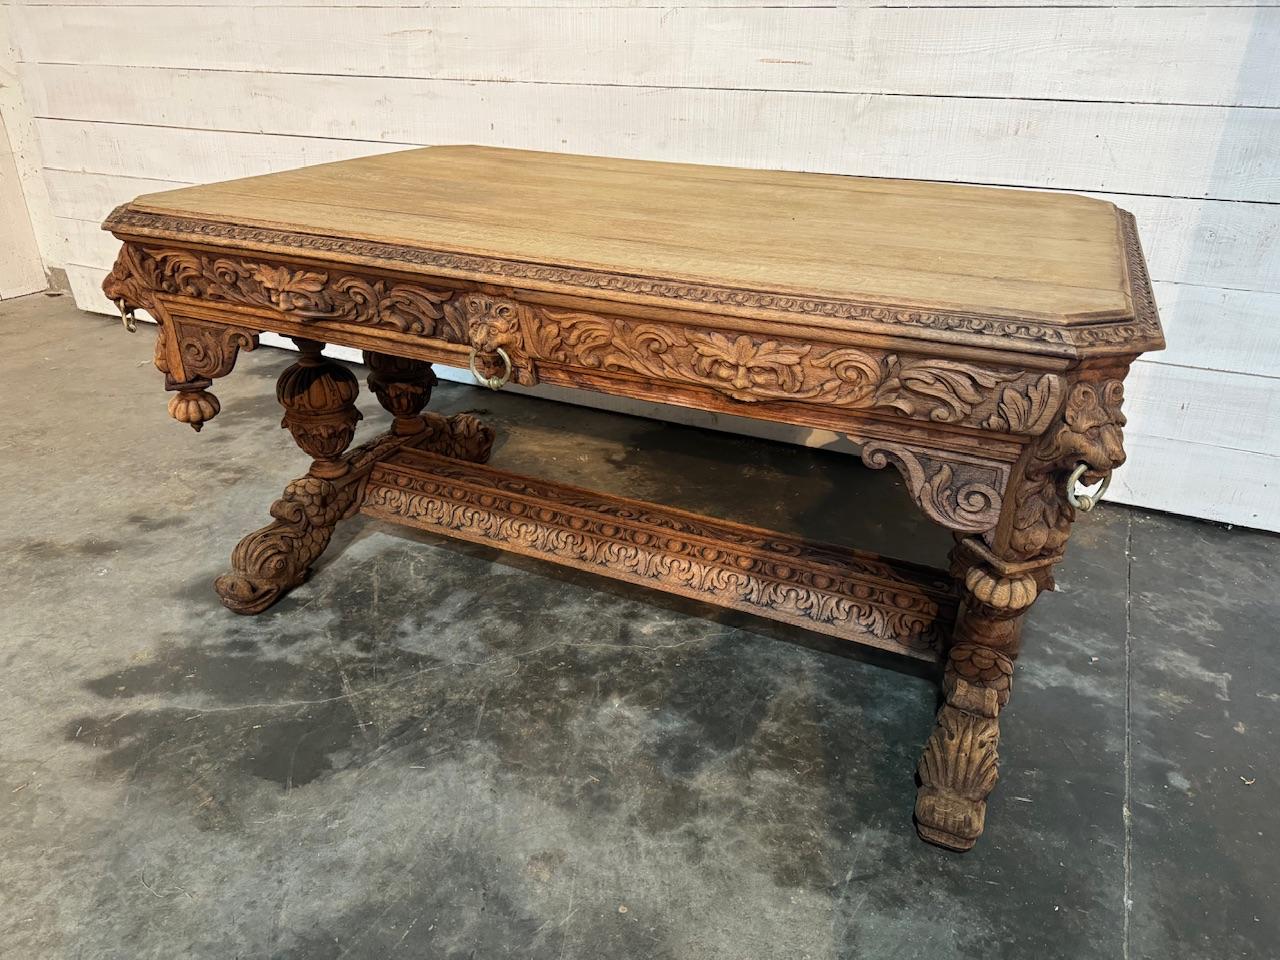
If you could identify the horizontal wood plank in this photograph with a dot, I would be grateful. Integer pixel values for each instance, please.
(1204, 406)
(1181, 476)
(187, 156)
(1205, 56)
(1194, 151)
(1208, 242)
(1236, 331)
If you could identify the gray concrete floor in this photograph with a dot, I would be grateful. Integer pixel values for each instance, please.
(437, 750)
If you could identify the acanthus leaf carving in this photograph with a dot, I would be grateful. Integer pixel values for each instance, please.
(305, 293)
(209, 350)
(826, 588)
(753, 369)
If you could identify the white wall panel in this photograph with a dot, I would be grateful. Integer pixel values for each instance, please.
(1184, 56)
(1169, 110)
(1218, 152)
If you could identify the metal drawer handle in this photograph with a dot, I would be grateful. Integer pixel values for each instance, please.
(493, 383)
(126, 316)
(1086, 501)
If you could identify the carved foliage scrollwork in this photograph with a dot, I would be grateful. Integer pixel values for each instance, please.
(209, 350)
(646, 544)
(305, 293)
(960, 493)
(751, 369)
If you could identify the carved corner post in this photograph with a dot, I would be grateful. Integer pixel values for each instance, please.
(318, 395)
(190, 353)
(1000, 574)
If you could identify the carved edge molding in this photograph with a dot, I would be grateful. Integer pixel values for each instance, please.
(829, 589)
(1141, 332)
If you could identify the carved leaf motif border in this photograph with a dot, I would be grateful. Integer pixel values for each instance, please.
(893, 614)
(751, 369)
(303, 293)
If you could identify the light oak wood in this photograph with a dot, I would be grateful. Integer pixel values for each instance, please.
(896, 242)
(980, 348)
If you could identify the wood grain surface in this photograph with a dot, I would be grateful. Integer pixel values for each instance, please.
(1052, 256)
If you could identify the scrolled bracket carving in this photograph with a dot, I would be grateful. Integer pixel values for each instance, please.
(961, 493)
(209, 350)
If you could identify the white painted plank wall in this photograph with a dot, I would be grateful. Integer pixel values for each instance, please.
(26, 221)
(1170, 111)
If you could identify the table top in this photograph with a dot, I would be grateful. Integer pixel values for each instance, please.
(1058, 259)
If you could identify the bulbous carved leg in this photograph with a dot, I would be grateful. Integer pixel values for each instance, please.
(319, 400)
(318, 396)
(403, 387)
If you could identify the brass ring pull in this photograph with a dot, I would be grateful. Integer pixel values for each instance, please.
(493, 383)
(127, 317)
(1086, 501)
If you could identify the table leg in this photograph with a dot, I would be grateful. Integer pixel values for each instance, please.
(1000, 573)
(318, 396)
(403, 387)
(959, 766)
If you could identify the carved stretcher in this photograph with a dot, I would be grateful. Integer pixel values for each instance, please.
(975, 339)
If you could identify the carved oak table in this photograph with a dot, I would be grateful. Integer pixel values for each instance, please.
(976, 339)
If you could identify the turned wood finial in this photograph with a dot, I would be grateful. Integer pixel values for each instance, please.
(194, 407)
(318, 395)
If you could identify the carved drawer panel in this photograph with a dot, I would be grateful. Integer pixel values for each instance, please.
(837, 386)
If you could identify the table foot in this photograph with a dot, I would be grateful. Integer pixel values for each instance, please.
(960, 765)
(274, 559)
